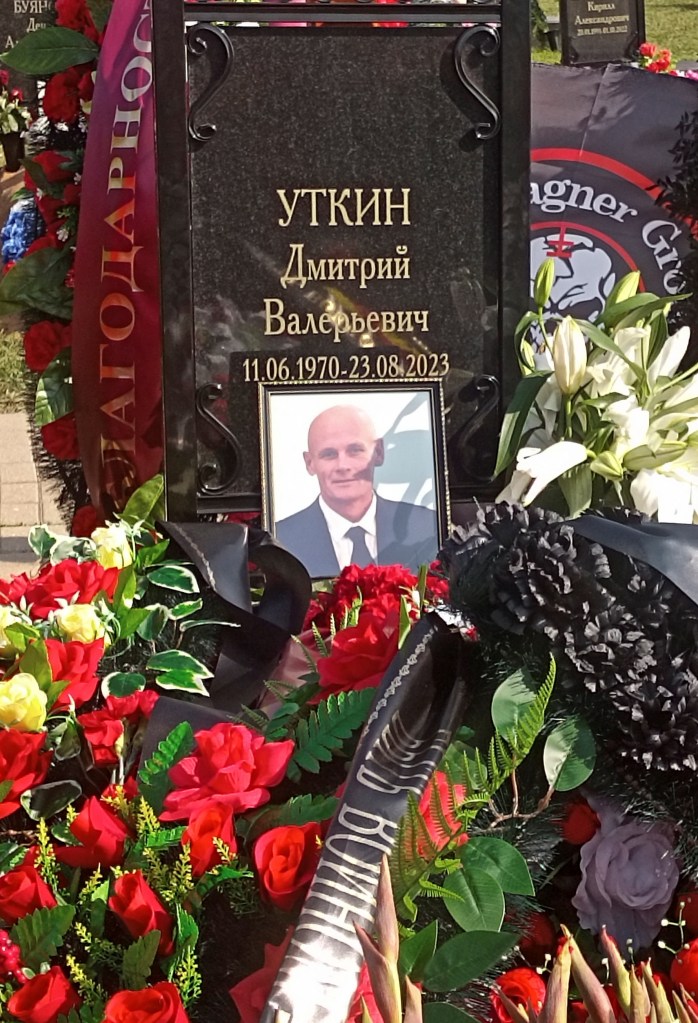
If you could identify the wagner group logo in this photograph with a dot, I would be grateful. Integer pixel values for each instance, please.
(599, 219)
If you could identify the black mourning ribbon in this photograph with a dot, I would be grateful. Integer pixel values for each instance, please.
(669, 547)
(221, 553)
(360, 554)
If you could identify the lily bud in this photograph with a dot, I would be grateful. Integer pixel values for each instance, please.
(643, 457)
(544, 283)
(569, 356)
(620, 978)
(607, 465)
(658, 998)
(595, 999)
(555, 1006)
(639, 1000)
(625, 288)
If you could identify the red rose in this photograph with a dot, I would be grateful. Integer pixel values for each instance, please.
(232, 765)
(214, 821)
(441, 816)
(684, 968)
(250, 995)
(102, 836)
(75, 663)
(580, 823)
(85, 520)
(140, 910)
(43, 341)
(522, 986)
(61, 437)
(62, 96)
(75, 14)
(133, 708)
(13, 589)
(53, 164)
(360, 654)
(44, 998)
(23, 890)
(286, 859)
(75, 582)
(22, 761)
(157, 1004)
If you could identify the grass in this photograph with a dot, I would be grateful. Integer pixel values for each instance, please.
(11, 371)
(670, 23)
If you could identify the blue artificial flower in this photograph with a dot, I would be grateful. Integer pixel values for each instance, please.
(23, 226)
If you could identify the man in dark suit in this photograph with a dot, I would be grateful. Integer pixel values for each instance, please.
(349, 523)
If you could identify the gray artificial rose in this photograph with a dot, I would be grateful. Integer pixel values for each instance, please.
(629, 874)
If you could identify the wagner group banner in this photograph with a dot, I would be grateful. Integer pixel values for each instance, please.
(601, 143)
(116, 322)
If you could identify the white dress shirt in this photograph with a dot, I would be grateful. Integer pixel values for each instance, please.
(338, 526)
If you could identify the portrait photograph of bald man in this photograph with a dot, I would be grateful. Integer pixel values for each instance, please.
(352, 475)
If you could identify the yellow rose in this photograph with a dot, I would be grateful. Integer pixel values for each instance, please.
(79, 622)
(113, 548)
(22, 703)
(7, 617)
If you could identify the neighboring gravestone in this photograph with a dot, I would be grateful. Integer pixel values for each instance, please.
(357, 201)
(17, 19)
(601, 31)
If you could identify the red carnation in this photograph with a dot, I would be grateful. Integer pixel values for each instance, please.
(102, 836)
(522, 985)
(22, 891)
(43, 342)
(214, 821)
(86, 520)
(360, 654)
(75, 663)
(232, 765)
(140, 909)
(75, 14)
(53, 164)
(71, 581)
(44, 998)
(61, 437)
(580, 824)
(286, 859)
(23, 762)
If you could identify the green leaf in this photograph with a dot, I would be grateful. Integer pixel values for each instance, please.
(35, 661)
(5, 788)
(174, 577)
(575, 485)
(153, 780)
(155, 621)
(639, 307)
(515, 419)
(37, 282)
(138, 960)
(187, 607)
(444, 1012)
(100, 11)
(66, 738)
(145, 504)
(122, 683)
(40, 934)
(405, 622)
(511, 699)
(465, 957)
(298, 810)
(49, 50)
(569, 754)
(178, 660)
(130, 620)
(98, 908)
(501, 861)
(480, 902)
(148, 556)
(41, 540)
(182, 681)
(418, 950)
(187, 933)
(186, 626)
(11, 854)
(328, 726)
(20, 635)
(49, 799)
(125, 587)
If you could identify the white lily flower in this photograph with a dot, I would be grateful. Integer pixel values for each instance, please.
(671, 491)
(632, 425)
(569, 355)
(670, 355)
(536, 468)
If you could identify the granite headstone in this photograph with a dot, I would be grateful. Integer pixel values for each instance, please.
(601, 31)
(17, 19)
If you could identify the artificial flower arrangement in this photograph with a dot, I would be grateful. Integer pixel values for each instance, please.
(14, 117)
(603, 414)
(119, 874)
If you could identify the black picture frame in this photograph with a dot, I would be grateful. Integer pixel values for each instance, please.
(409, 480)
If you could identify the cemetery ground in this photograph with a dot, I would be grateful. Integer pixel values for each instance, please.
(670, 23)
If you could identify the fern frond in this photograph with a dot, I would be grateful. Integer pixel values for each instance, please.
(320, 642)
(531, 723)
(326, 729)
(434, 891)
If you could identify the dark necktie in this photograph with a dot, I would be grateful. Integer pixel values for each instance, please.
(360, 554)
